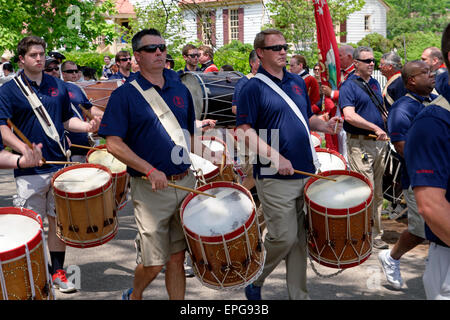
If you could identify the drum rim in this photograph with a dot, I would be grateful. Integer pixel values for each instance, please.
(344, 265)
(91, 243)
(82, 195)
(214, 173)
(334, 211)
(313, 133)
(103, 146)
(20, 251)
(333, 152)
(229, 235)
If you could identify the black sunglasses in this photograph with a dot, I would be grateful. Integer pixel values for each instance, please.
(194, 55)
(71, 71)
(51, 69)
(125, 59)
(368, 61)
(151, 48)
(278, 47)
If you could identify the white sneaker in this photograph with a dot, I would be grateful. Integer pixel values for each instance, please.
(60, 282)
(391, 269)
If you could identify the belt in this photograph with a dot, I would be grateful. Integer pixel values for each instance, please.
(180, 176)
(361, 136)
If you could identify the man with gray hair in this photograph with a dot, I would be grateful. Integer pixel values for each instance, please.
(364, 114)
(390, 67)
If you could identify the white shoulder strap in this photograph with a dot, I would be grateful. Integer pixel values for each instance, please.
(294, 108)
(164, 114)
(441, 102)
(41, 113)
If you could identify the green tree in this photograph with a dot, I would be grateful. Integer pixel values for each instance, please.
(73, 24)
(295, 18)
(236, 54)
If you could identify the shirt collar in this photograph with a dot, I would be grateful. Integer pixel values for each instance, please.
(169, 81)
(286, 75)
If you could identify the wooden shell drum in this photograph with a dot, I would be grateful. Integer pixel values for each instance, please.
(207, 169)
(23, 266)
(339, 219)
(84, 201)
(223, 237)
(330, 160)
(119, 173)
(317, 139)
(99, 92)
(212, 94)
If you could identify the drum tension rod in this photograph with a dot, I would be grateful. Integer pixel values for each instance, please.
(92, 229)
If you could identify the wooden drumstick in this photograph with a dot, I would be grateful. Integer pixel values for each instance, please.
(86, 147)
(86, 112)
(22, 136)
(186, 189)
(62, 162)
(375, 136)
(313, 175)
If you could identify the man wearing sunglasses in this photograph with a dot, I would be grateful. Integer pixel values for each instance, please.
(190, 55)
(123, 61)
(52, 67)
(361, 100)
(145, 143)
(285, 122)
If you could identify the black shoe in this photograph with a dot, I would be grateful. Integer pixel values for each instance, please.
(380, 244)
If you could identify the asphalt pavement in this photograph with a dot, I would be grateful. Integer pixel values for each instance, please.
(103, 272)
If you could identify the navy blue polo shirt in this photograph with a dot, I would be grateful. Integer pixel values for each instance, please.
(350, 94)
(262, 108)
(400, 118)
(396, 90)
(77, 97)
(427, 152)
(55, 98)
(120, 76)
(237, 89)
(129, 116)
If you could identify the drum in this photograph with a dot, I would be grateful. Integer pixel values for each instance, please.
(223, 236)
(330, 160)
(210, 171)
(99, 92)
(339, 219)
(317, 139)
(212, 93)
(118, 169)
(392, 185)
(23, 261)
(85, 209)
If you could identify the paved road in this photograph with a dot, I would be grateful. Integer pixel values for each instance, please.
(105, 271)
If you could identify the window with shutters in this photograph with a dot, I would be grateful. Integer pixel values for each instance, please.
(234, 24)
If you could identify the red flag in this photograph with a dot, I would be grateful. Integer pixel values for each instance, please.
(330, 67)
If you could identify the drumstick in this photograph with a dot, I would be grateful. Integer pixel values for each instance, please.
(22, 136)
(62, 162)
(86, 112)
(86, 147)
(313, 175)
(186, 189)
(336, 125)
(375, 136)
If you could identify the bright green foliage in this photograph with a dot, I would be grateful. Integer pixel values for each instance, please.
(87, 59)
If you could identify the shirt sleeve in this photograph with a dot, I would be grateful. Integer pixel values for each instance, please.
(249, 101)
(398, 124)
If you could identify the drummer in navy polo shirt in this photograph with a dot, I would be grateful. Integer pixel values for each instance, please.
(426, 155)
(34, 184)
(419, 83)
(137, 137)
(31, 157)
(362, 103)
(262, 110)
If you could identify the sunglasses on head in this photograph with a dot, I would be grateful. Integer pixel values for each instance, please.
(51, 69)
(151, 48)
(194, 55)
(278, 47)
(368, 61)
(125, 59)
(71, 71)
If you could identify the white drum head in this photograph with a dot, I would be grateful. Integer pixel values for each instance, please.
(346, 192)
(214, 145)
(329, 161)
(316, 141)
(108, 160)
(16, 230)
(201, 163)
(81, 179)
(208, 216)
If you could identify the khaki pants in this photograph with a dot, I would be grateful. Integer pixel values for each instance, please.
(367, 157)
(282, 202)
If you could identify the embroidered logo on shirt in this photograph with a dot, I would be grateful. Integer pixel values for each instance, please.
(425, 171)
(54, 92)
(297, 89)
(71, 95)
(178, 101)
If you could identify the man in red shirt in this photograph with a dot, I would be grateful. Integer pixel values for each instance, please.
(298, 65)
(206, 59)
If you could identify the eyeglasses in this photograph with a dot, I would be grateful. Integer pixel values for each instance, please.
(151, 48)
(316, 69)
(427, 72)
(71, 71)
(277, 47)
(194, 55)
(52, 69)
(368, 61)
(125, 59)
